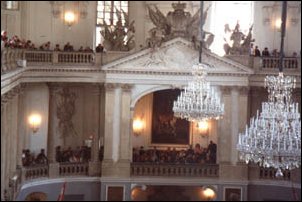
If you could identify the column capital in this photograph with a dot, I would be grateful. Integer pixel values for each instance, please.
(244, 90)
(110, 86)
(225, 90)
(127, 87)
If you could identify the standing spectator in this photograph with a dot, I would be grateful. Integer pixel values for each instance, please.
(257, 52)
(57, 48)
(252, 51)
(265, 52)
(41, 158)
(99, 48)
(212, 149)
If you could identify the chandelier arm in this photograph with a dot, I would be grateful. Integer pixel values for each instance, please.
(201, 31)
(283, 26)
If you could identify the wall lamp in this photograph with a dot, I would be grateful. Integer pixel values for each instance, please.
(34, 121)
(138, 126)
(203, 128)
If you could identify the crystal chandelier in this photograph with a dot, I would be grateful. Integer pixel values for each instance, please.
(274, 138)
(198, 101)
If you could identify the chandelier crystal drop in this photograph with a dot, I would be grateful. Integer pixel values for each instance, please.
(274, 138)
(198, 101)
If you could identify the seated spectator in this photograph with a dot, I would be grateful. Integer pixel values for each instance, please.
(81, 49)
(99, 48)
(41, 158)
(265, 52)
(257, 52)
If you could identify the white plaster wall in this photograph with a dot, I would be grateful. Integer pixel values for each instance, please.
(43, 27)
(36, 100)
(266, 35)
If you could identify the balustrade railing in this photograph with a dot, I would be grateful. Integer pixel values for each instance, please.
(273, 63)
(270, 174)
(176, 170)
(34, 172)
(10, 58)
(75, 57)
(39, 56)
(70, 169)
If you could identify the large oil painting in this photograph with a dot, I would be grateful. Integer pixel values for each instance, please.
(167, 129)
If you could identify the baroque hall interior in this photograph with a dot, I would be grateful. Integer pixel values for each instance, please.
(94, 106)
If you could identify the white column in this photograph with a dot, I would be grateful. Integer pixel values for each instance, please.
(108, 126)
(126, 124)
(52, 133)
(116, 124)
(3, 146)
(235, 123)
(96, 120)
(21, 133)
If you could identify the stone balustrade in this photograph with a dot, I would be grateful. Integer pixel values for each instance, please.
(34, 172)
(10, 58)
(175, 170)
(39, 57)
(74, 57)
(270, 174)
(272, 64)
(54, 57)
(70, 169)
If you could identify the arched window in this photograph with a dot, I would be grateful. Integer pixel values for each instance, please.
(229, 12)
(106, 13)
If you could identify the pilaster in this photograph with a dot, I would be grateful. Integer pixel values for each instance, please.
(235, 123)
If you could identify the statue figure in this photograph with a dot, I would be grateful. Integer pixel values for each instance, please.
(120, 37)
(65, 110)
(179, 23)
(241, 43)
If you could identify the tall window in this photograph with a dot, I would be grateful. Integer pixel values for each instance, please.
(106, 13)
(10, 5)
(229, 12)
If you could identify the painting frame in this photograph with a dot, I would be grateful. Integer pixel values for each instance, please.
(232, 193)
(110, 188)
(166, 129)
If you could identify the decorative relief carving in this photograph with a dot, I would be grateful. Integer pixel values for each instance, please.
(65, 101)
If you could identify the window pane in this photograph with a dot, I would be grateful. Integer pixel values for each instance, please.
(106, 12)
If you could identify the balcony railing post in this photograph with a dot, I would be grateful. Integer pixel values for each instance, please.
(54, 170)
(55, 59)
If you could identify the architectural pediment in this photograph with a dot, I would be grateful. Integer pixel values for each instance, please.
(177, 55)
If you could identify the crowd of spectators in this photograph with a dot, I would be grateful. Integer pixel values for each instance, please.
(16, 42)
(29, 159)
(79, 155)
(189, 156)
(266, 53)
